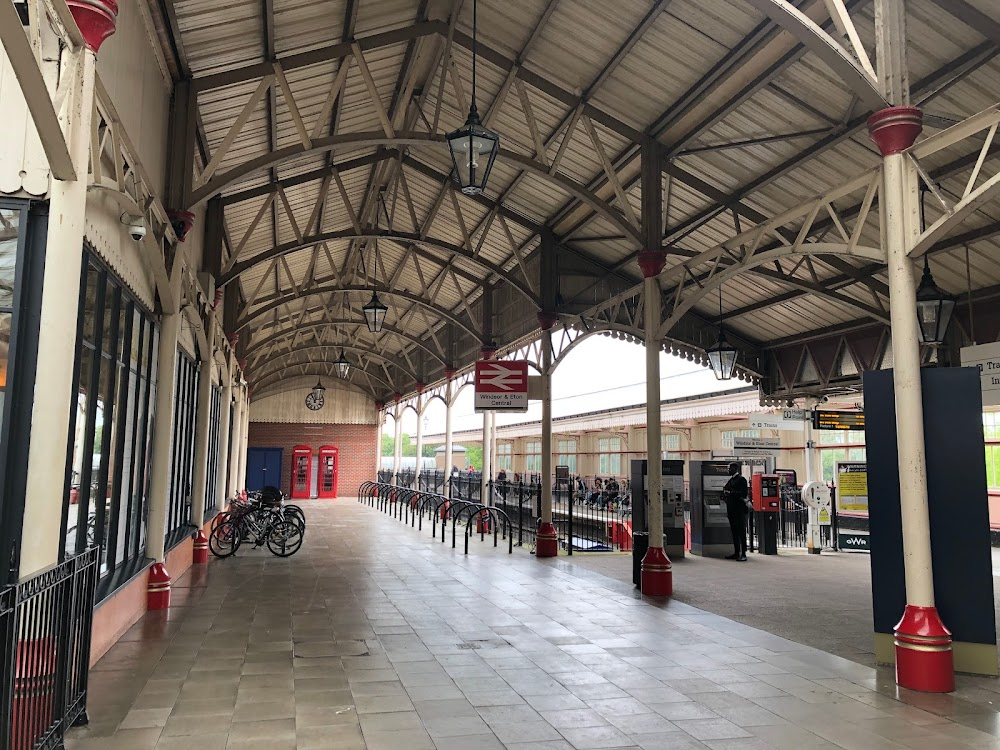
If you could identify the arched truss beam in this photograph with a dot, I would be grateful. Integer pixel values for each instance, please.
(412, 139)
(284, 299)
(277, 358)
(386, 329)
(855, 69)
(412, 238)
(969, 204)
(320, 369)
(678, 303)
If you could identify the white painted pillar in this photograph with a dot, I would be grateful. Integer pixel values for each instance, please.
(245, 443)
(201, 479)
(234, 453)
(397, 445)
(162, 448)
(654, 481)
(222, 477)
(493, 442)
(379, 428)
(449, 442)
(55, 391)
(420, 439)
(487, 456)
(901, 205)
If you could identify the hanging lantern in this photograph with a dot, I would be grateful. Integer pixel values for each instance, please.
(934, 308)
(722, 357)
(318, 390)
(374, 313)
(473, 151)
(473, 147)
(342, 365)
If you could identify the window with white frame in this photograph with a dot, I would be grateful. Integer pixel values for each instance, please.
(729, 437)
(567, 455)
(505, 453)
(839, 445)
(670, 445)
(533, 456)
(609, 458)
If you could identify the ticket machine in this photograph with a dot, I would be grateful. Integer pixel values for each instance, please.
(710, 532)
(672, 489)
(301, 472)
(766, 496)
(328, 464)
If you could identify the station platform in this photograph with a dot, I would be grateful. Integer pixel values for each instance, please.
(377, 636)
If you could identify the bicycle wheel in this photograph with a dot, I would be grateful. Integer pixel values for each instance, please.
(284, 538)
(294, 513)
(225, 539)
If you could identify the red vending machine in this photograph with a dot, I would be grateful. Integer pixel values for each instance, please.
(328, 458)
(301, 471)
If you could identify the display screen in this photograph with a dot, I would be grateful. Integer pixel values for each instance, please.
(838, 420)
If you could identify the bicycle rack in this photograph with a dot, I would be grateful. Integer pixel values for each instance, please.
(497, 516)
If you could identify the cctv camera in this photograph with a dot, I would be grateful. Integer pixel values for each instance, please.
(136, 226)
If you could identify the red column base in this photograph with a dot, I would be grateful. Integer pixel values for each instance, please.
(158, 588)
(924, 659)
(657, 575)
(548, 541)
(200, 554)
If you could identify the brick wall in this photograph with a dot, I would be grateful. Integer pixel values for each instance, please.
(357, 443)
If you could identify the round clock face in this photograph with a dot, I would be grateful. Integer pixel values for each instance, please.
(314, 402)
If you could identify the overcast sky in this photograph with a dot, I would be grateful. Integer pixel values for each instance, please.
(600, 373)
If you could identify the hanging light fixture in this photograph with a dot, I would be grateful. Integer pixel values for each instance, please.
(318, 390)
(375, 311)
(722, 355)
(934, 308)
(342, 365)
(473, 147)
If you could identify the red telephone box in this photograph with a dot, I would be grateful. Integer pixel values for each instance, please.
(328, 460)
(301, 471)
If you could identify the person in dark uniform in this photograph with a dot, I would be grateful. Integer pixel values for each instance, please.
(736, 493)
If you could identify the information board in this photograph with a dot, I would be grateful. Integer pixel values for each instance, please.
(852, 486)
(838, 420)
(501, 385)
(985, 357)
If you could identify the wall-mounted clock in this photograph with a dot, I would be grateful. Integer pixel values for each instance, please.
(314, 402)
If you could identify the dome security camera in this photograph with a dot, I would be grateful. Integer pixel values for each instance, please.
(136, 226)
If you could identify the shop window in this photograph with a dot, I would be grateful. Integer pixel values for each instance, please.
(533, 456)
(505, 455)
(609, 456)
(567, 455)
(111, 426)
(182, 448)
(670, 445)
(212, 471)
(839, 445)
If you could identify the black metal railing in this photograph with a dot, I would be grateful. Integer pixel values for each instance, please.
(467, 485)
(45, 623)
(432, 481)
(793, 522)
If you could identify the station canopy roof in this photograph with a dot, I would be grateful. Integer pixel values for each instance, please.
(321, 125)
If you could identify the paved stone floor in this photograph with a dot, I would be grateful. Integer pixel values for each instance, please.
(376, 636)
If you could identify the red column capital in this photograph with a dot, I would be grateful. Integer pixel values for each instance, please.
(96, 19)
(895, 129)
(547, 319)
(450, 373)
(419, 387)
(651, 262)
(488, 351)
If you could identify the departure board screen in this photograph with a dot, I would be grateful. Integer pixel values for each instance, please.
(838, 420)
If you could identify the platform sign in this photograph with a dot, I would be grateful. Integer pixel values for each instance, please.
(787, 419)
(501, 385)
(838, 420)
(756, 447)
(986, 357)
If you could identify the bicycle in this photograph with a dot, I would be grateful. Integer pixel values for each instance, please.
(260, 524)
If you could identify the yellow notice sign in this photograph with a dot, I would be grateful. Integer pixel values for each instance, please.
(852, 487)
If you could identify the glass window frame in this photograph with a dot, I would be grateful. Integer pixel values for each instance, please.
(127, 415)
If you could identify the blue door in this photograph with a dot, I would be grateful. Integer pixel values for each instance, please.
(263, 468)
